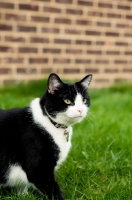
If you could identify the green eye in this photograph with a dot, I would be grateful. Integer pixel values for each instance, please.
(84, 101)
(67, 101)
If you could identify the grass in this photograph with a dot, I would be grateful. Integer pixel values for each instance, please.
(99, 165)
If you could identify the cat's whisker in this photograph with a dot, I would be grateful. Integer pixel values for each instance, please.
(90, 118)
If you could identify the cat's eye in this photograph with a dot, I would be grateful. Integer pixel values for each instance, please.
(84, 101)
(67, 101)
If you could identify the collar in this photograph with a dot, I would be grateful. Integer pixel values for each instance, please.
(54, 123)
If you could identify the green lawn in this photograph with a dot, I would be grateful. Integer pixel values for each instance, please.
(99, 166)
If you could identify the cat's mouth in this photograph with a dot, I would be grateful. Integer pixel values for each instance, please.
(76, 117)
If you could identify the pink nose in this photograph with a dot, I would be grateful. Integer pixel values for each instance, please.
(80, 111)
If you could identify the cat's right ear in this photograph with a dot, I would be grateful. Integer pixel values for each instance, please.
(54, 83)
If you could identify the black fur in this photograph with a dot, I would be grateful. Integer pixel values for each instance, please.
(31, 146)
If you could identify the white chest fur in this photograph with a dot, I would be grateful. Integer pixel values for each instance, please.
(56, 133)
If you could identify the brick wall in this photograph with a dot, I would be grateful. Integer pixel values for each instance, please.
(69, 37)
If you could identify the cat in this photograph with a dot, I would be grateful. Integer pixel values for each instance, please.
(35, 140)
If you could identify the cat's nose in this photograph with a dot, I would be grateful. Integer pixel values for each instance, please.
(80, 111)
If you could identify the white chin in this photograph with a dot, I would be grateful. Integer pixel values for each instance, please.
(75, 120)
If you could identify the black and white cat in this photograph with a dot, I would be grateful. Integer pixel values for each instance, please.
(36, 139)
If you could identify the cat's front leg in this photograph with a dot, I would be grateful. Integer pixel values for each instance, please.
(57, 192)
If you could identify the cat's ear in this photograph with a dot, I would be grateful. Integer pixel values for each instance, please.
(54, 83)
(85, 82)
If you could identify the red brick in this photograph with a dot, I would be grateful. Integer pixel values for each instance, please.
(26, 70)
(118, 80)
(28, 7)
(109, 70)
(105, 5)
(62, 21)
(39, 19)
(52, 9)
(26, 28)
(112, 34)
(85, 3)
(39, 40)
(128, 34)
(5, 71)
(120, 61)
(27, 50)
(38, 60)
(62, 41)
(113, 15)
(64, 1)
(15, 17)
(6, 5)
(48, 50)
(98, 52)
(100, 43)
(72, 31)
(74, 11)
(122, 25)
(84, 61)
(121, 43)
(6, 49)
(124, 7)
(14, 39)
(128, 16)
(46, 70)
(4, 27)
(13, 60)
(71, 70)
(93, 33)
(127, 70)
(50, 30)
(107, 24)
(74, 51)
(83, 22)
(83, 42)
(101, 80)
(42, 0)
(61, 60)
(91, 70)
(128, 53)
(102, 61)
(95, 13)
(113, 52)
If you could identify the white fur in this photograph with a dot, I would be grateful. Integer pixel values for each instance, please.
(56, 133)
(18, 178)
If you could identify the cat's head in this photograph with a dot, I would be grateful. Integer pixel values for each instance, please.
(66, 103)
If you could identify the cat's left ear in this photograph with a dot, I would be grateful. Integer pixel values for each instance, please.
(54, 83)
(85, 82)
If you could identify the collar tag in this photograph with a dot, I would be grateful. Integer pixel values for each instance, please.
(66, 133)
